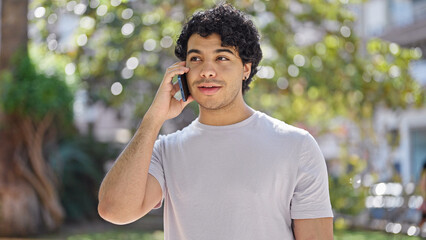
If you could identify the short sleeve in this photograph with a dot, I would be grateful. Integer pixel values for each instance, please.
(156, 169)
(311, 197)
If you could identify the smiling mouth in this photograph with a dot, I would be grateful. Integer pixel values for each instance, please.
(209, 86)
(209, 90)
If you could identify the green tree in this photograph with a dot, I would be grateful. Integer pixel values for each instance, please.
(32, 106)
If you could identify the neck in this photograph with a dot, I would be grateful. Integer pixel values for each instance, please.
(225, 116)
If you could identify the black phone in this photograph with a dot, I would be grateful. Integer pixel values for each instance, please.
(183, 85)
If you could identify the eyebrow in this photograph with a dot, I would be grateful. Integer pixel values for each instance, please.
(216, 51)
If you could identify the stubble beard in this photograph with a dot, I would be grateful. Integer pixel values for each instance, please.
(224, 105)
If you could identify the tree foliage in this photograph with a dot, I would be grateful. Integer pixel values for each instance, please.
(25, 93)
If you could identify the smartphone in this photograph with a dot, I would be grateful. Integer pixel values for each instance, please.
(183, 85)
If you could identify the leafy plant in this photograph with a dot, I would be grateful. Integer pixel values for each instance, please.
(79, 161)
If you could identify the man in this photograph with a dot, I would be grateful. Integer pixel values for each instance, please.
(233, 173)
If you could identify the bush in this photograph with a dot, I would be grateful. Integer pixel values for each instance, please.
(79, 164)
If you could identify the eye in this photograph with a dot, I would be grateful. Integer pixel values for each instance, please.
(222, 59)
(194, 59)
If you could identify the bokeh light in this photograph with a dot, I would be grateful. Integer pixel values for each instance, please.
(126, 73)
(345, 31)
(52, 44)
(127, 13)
(94, 3)
(115, 3)
(293, 70)
(409, 188)
(149, 45)
(39, 12)
(151, 19)
(394, 71)
(70, 69)
(80, 8)
(259, 6)
(52, 18)
(166, 42)
(299, 60)
(396, 228)
(132, 63)
(116, 88)
(101, 10)
(282, 83)
(87, 22)
(417, 53)
(394, 48)
(127, 29)
(413, 231)
(123, 135)
(266, 72)
(81, 40)
(414, 202)
(269, 52)
(71, 5)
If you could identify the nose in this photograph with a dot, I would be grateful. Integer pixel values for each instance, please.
(207, 70)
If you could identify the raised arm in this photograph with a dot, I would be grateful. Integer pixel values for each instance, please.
(128, 192)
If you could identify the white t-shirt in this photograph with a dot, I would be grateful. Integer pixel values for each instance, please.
(242, 181)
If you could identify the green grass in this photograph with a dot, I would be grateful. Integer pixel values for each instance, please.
(158, 235)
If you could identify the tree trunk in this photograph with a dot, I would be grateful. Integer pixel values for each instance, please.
(14, 27)
(19, 205)
(29, 203)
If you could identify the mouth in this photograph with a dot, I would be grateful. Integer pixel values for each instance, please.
(209, 88)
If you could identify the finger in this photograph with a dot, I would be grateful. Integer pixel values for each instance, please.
(176, 65)
(181, 63)
(168, 78)
(175, 89)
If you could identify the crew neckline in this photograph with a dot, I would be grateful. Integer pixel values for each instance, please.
(246, 121)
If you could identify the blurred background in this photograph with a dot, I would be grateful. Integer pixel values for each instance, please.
(76, 77)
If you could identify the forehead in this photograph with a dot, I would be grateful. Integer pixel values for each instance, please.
(207, 44)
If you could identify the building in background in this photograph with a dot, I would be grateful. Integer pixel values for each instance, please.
(402, 22)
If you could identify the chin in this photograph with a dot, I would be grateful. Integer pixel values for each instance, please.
(212, 105)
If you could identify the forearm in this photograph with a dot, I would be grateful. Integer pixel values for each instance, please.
(122, 191)
(313, 229)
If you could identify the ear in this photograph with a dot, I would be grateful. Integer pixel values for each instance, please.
(246, 70)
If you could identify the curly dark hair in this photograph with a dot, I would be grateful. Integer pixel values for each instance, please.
(235, 29)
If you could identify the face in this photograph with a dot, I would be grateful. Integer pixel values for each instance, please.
(216, 73)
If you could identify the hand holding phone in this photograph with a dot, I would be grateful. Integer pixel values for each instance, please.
(165, 106)
(183, 85)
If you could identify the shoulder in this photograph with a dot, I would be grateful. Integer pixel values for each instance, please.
(280, 127)
(177, 135)
(294, 137)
